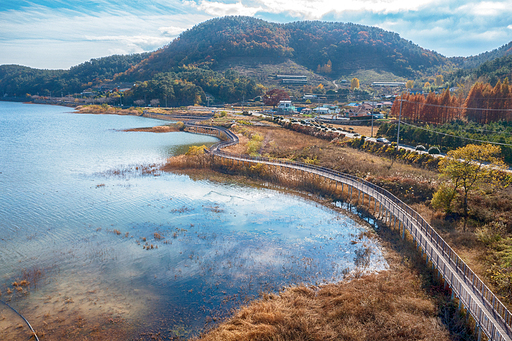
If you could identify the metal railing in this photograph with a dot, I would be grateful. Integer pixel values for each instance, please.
(490, 314)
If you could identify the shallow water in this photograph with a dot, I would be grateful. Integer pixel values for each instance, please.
(104, 236)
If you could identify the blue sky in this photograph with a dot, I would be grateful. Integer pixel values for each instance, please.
(58, 34)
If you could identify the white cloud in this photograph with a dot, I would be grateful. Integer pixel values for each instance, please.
(309, 9)
(171, 31)
(78, 31)
(487, 8)
(94, 35)
(216, 8)
(133, 40)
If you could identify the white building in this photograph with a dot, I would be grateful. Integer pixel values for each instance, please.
(286, 107)
(327, 109)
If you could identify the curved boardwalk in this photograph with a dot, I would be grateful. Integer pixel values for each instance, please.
(490, 314)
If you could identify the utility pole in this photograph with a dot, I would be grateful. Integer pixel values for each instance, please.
(372, 113)
(399, 117)
(372, 124)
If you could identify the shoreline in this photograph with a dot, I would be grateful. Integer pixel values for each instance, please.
(401, 259)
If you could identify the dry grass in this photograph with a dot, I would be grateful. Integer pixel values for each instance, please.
(370, 308)
(362, 130)
(156, 129)
(283, 143)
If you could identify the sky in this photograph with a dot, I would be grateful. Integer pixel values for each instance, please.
(58, 34)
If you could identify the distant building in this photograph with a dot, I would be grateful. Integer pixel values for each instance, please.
(388, 84)
(293, 79)
(286, 107)
(415, 91)
(306, 111)
(327, 109)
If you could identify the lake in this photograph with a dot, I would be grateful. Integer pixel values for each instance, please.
(113, 246)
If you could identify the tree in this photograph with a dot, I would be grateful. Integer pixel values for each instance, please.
(468, 169)
(274, 96)
(319, 89)
(354, 84)
(439, 80)
(326, 68)
(139, 102)
(409, 84)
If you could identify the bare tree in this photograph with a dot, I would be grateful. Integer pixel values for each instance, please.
(140, 102)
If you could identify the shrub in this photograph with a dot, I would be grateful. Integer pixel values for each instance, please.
(196, 150)
(434, 150)
(254, 145)
(443, 198)
(180, 126)
(421, 148)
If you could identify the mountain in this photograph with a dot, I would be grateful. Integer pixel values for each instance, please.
(327, 47)
(231, 58)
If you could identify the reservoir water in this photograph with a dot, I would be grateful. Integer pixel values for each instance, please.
(113, 248)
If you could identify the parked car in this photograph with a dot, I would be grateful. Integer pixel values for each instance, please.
(383, 140)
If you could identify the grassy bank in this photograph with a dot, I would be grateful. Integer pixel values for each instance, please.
(486, 245)
(407, 302)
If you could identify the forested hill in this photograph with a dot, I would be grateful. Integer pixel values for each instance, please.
(488, 72)
(327, 47)
(475, 61)
(20, 80)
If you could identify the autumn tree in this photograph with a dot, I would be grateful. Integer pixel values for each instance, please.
(274, 96)
(467, 169)
(319, 89)
(439, 80)
(409, 84)
(354, 84)
(326, 68)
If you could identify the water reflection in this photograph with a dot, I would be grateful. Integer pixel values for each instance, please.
(120, 246)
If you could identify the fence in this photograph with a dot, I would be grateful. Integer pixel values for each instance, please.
(489, 313)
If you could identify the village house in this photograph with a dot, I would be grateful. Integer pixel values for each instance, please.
(286, 107)
(327, 109)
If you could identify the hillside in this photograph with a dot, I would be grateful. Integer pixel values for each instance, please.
(488, 72)
(193, 67)
(324, 47)
(20, 80)
(475, 61)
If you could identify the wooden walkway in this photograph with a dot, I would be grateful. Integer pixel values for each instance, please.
(491, 316)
